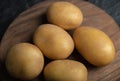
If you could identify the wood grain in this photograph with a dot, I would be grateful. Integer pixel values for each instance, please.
(23, 27)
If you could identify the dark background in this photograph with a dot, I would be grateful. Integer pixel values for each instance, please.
(10, 9)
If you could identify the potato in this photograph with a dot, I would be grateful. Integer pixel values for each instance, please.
(24, 61)
(65, 15)
(94, 45)
(65, 70)
(54, 42)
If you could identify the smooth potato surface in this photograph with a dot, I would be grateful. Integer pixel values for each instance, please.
(65, 15)
(65, 70)
(24, 61)
(54, 42)
(94, 45)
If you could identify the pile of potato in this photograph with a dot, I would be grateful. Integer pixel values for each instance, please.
(25, 61)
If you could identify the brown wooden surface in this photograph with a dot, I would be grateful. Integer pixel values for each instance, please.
(23, 27)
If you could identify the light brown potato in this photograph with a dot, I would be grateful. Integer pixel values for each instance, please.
(65, 15)
(54, 42)
(24, 61)
(94, 45)
(65, 70)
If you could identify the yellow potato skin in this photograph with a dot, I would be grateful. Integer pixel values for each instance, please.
(94, 45)
(64, 14)
(24, 61)
(54, 42)
(65, 70)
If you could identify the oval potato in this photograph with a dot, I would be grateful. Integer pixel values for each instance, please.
(94, 45)
(64, 14)
(24, 61)
(65, 70)
(54, 42)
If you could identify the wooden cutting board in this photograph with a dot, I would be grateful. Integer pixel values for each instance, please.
(23, 27)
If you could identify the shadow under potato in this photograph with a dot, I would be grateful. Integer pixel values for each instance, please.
(44, 18)
(77, 57)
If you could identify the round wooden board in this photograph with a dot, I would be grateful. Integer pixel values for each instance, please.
(23, 27)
